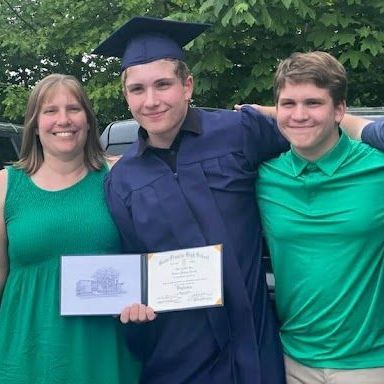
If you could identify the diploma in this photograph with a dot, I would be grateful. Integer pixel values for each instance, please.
(167, 281)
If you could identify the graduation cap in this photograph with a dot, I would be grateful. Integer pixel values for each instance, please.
(145, 39)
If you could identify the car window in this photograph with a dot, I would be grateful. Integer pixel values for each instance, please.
(8, 152)
(10, 143)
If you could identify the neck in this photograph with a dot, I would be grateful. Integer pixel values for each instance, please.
(315, 153)
(56, 174)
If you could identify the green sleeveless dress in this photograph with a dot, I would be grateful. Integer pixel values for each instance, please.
(37, 345)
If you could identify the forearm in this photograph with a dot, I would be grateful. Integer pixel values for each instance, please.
(353, 125)
(266, 110)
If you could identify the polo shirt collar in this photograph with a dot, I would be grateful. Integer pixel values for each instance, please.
(191, 124)
(329, 162)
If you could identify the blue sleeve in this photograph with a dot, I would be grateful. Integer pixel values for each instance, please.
(373, 134)
(122, 217)
(262, 138)
(140, 337)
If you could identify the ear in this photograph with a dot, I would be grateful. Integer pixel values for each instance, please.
(188, 88)
(340, 111)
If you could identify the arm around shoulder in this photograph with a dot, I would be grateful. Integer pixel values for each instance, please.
(262, 138)
(353, 126)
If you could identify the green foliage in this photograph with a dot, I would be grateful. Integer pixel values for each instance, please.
(233, 62)
(14, 101)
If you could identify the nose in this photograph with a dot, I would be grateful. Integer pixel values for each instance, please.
(63, 118)
(299, 113)
(151, 99)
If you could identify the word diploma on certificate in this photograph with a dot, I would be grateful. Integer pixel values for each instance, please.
(166, 281)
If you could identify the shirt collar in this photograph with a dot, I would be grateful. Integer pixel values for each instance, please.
(191, 124)
(329, 162)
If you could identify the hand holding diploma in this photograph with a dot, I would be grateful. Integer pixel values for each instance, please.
(138, 313)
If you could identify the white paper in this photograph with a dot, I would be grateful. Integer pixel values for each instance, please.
(186, 278)
(99, 284)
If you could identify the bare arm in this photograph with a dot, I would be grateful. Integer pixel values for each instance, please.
(3, 236)
(354, 125)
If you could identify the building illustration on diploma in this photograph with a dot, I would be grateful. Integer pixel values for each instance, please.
(103, 283)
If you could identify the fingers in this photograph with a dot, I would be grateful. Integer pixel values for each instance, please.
(138, 313)
(150, 313)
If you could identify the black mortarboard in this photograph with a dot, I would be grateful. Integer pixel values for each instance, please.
(145, 39)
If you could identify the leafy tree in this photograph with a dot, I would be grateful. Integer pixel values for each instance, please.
(258, 33)
(233, 62)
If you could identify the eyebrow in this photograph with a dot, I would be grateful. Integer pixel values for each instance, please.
(304, 100)
(156, 81)
(50, 105)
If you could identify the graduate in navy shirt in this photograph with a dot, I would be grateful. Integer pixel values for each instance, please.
(189, 182)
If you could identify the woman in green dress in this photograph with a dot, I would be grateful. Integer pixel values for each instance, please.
(52, 204)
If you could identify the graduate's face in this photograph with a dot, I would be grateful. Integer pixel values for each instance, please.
(308, 118)
(158, 99)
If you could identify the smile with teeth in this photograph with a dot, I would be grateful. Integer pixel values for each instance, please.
(64, 134)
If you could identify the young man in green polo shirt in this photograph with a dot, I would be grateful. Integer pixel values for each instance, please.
(322, 207)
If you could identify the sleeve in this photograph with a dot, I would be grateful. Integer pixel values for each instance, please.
(262, 138)
(373, 134)
(140, 337)
(121, 215)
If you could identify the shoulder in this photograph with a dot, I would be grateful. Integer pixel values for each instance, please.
(124, 173)
(215, 121)
(363, 150)
(373, 134)
(112, 160)
(280, 162)
(246, 115)
(3, 186)
(276, 168)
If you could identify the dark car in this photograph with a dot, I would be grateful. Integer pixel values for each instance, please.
(10, 143)
(119, 135)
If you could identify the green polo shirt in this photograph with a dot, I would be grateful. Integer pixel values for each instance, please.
(324, 224)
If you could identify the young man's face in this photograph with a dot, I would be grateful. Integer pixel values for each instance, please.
(308, 118)
(158, 99)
